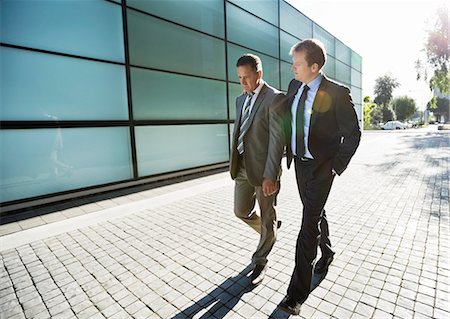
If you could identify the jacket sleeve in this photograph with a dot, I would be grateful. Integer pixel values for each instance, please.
(275, 147)
(349, 130)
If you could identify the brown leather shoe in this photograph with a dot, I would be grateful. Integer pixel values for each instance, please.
(258, 274)
(290, 306)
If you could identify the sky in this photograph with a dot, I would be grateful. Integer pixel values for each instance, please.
(388, 34)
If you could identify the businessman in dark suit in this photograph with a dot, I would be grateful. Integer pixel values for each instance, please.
(322, 135)
(256, 153)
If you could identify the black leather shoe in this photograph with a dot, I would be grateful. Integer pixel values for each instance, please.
(278, 224)
(323, 264)
(258, 274)
(290, 306)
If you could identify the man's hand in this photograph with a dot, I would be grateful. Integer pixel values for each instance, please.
(269, 187)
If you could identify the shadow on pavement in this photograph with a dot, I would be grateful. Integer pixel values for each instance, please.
(222, 299)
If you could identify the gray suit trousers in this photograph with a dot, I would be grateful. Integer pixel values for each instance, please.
(245, 195)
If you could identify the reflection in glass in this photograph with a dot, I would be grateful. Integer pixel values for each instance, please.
(159, 149)
(45, 161)
(34, 84)
(160, 95)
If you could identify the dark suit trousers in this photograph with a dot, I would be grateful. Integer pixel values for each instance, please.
(314, 180)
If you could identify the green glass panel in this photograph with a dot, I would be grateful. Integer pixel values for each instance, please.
(159, 44)
(87, 28)
(270, 65)
(206, 16)
(40, 87)
(356, 78)
(234, 90)
(159, 149)
(45, 161)
(266, 9)
(286, 43)
(249, 31)
(343, 52)
(286, 75)
(329, 68)
(356, 61)
(343, 73)
(231, 135)
(327, 39)
(357, 95)
(165, 96)
(294, 22)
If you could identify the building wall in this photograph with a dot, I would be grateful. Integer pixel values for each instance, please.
(97, 93)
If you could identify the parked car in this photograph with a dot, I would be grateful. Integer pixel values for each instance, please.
(393, 125)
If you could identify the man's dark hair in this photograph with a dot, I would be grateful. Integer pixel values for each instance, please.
(314, 49)
(250, 59)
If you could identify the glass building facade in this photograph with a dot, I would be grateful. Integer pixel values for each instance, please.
(98, 95)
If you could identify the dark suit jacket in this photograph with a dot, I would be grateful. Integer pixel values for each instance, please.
(264, 139)
(334, 131)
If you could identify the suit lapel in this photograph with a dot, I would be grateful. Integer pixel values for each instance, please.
(240, 104)
(318, 101)
(258, 102)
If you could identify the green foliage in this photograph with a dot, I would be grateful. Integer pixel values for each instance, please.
(376, 116)
(384, 85)
(442, 108)
(368, 108)
(387, 113)
(437, 49)
(404, 107)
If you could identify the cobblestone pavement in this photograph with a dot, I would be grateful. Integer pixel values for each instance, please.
(183, 253)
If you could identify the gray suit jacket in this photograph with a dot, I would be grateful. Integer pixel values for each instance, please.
(264, 139)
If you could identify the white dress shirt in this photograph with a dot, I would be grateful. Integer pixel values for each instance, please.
(311, 94)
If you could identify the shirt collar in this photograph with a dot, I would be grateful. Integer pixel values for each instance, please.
(314, 84)
(258, 89)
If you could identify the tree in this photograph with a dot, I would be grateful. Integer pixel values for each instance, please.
(384, 85)
(437, 50)
(442, 108)
(376, 116)
(404, 107)
(387, 113)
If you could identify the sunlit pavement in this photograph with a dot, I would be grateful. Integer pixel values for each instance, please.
(179, 251)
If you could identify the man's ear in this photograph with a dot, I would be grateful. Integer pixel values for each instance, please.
(315, 68)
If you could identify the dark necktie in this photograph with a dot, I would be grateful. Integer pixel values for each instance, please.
(244, 124)
(300, 120)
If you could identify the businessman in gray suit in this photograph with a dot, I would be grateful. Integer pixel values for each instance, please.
(257, 149)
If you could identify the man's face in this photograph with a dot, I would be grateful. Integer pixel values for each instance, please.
(303, 72)
(248, 77)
